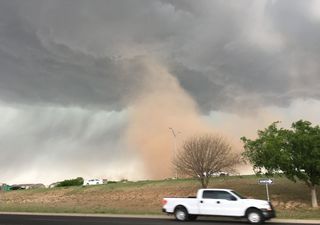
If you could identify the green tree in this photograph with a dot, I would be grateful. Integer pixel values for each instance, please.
(294, 153)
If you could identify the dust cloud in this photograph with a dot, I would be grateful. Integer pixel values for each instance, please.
(161, 104)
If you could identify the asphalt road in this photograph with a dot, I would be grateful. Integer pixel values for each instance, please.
(78, 220)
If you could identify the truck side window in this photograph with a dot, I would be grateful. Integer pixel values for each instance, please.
(210, 194)
(218, 195)
(225, 195)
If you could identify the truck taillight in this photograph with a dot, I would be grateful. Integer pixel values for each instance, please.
(164, 201)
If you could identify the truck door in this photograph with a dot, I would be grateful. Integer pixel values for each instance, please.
(220, 203)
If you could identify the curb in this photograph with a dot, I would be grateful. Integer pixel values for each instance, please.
(87, 215)
(166, 217)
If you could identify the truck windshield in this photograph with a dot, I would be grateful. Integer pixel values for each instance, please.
(238, 195)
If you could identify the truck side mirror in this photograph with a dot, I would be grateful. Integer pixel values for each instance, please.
(232, 198)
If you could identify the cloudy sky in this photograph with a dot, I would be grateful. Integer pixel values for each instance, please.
(90, 88)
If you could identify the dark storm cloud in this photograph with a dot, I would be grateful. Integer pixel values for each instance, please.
(237, 66)
(66, 64)
(34, 72)
(82, 53)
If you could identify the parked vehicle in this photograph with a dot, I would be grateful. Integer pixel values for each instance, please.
(93, 182)
(218, 202)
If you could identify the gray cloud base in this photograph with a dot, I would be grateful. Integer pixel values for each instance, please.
(81, 53)
(74, 54)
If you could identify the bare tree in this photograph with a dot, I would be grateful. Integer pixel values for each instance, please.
(202, 156)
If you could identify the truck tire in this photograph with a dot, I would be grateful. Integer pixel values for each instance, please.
(254, 216)
(181, 214)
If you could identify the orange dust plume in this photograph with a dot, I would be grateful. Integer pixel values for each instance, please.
(162, 103)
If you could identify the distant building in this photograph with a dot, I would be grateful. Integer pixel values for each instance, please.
(105, 181)
(4, 187)
(26, 186)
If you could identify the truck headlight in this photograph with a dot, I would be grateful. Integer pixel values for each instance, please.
(266, 207)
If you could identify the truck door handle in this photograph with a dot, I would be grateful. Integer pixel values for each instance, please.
(218, 202)
(201, 201)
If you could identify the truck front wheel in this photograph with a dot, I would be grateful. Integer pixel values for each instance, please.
(181, 213)
(254, 216)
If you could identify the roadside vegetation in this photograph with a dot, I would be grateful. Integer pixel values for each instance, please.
(72, 182)
(291, 200)
(293, 153)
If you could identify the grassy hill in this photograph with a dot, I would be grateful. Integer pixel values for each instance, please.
(291, 200)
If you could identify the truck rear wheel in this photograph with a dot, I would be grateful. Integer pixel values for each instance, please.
(181, 214)
(254, 216)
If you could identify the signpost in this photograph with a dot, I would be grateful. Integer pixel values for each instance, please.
(266, 182)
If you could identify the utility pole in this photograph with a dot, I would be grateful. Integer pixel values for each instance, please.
(174, 147)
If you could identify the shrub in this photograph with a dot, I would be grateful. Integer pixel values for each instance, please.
(72, 182)
(112, 182)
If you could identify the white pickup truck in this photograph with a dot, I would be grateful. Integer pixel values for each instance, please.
(218, 202)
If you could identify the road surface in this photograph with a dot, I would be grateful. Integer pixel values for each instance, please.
(78, 220)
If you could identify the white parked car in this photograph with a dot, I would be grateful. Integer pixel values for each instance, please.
(93, 182)
(218, 202)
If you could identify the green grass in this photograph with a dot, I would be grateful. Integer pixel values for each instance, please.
(299, 214)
